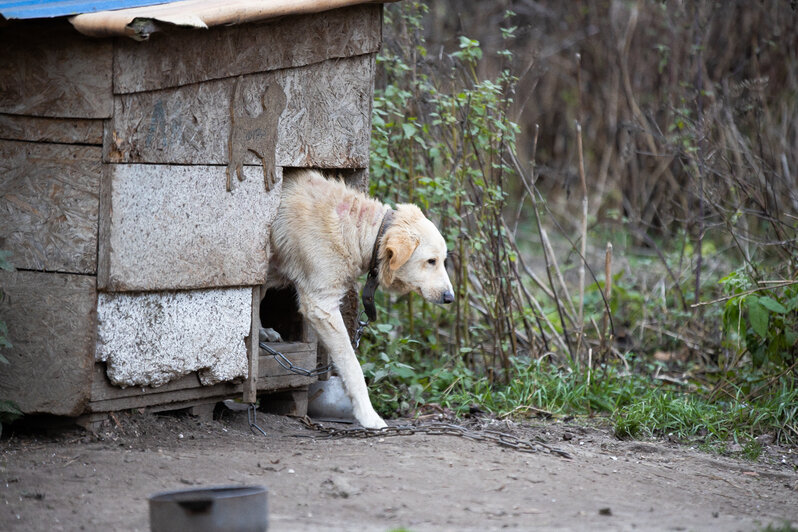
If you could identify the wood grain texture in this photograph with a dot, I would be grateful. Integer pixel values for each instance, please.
(58, 130)
(185, 56)
(176, 227)
(48, 69)
(51, 324)
(49, 200)
(326, 122)
(105, 397)
(253, 351)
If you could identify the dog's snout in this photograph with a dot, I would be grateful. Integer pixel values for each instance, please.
(447, 297)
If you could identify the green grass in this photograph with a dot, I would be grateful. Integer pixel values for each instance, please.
(637, 405)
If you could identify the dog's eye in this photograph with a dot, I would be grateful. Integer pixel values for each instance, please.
(433, 262)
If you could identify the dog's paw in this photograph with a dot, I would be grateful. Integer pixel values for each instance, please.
(370, 420)
(267, 334)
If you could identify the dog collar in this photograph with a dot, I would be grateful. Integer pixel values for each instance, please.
(372, 281)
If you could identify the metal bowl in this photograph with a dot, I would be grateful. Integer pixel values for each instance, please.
(328, 401)
(215, 509)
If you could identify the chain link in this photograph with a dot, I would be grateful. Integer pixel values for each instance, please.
(501, 439)
(289, 366)
(361, 326)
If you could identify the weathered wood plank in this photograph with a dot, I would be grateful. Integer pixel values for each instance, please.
(251, 382)
(50, 70)
(60, 130)
(184, 56)
(272, 376)
(175, 227)
(49, 200)
(218, 391)
(326, 121)
(51, 324)
(103, 390)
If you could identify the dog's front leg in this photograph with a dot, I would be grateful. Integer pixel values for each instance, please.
(329, 325)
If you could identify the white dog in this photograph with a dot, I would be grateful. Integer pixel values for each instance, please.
(325, 236)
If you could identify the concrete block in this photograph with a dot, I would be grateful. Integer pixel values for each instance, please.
(153, 338)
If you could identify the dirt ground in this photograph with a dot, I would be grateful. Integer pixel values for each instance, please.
(71, 479)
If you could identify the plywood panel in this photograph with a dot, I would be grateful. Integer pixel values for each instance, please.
(185, 56)
(176, 227)
(326, 121)
(60, 130)
(51, 324)
(49, 198)
(51, 70)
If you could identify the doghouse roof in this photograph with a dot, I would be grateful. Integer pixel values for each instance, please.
(139, 18)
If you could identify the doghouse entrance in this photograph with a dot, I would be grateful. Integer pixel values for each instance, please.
(279, 310)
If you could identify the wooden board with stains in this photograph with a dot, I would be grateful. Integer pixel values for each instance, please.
(49, 70)
(57, 130)
(185, 56)
(326, 121)
(106, 397)
(49, 201)
(51, 324)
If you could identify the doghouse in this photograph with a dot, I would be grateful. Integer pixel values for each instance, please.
(141, 160)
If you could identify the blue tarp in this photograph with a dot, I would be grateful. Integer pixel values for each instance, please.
(28, 9)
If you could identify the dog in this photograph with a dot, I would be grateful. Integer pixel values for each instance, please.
(325, 235)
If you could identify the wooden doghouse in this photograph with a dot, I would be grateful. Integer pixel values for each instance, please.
(138, 180)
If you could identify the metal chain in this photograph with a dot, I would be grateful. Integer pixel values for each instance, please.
(361, 326)
(436, 429)
(289, 366)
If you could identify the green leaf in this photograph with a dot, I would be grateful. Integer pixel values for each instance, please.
(772, 305)
(409, 129)
(758, 316)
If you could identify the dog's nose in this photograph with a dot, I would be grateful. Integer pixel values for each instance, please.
(447, 297)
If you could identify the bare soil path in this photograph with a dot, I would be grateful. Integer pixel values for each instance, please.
(74, 480)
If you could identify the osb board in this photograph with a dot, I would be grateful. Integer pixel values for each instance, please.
(167, 227)
(59, 130)
(106, 397)
(51, 324)
(326, 120)
(49, 201)
(48, 69)
(184, 56)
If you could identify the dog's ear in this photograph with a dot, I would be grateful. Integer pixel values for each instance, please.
(396, 250)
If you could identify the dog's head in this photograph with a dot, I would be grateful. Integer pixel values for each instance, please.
(412, 253)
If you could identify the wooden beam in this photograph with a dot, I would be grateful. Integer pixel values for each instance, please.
(185, 56)
(57, 130)
(253, 351)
